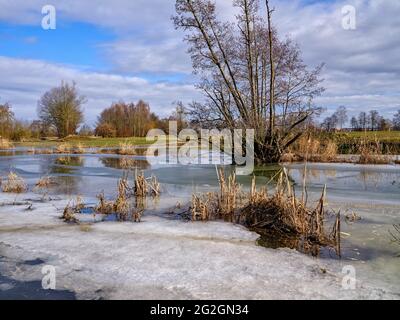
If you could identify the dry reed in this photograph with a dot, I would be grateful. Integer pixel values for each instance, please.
(140, 185)
(5, 144)
(14, 184)
(78, 149)
(280, 212)
(44, 183)
(310, 148)
(154, 187)
(69, 213)
(396, 234)
(63, 148)
(121, 205)
(104, 206)
(126, 148)
(372, 153)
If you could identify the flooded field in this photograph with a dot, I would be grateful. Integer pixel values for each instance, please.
(367, 196)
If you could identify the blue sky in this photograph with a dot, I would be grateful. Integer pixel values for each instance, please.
(129, 50)
(73, 43)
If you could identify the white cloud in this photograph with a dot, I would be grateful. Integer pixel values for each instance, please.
(167, 56)
(24, 81)
(362, 66)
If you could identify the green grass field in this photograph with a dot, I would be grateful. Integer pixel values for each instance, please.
(84, 142)
(392, 137)
(382, 136)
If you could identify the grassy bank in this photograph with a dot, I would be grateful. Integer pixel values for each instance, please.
(383, 136)
(85, 142)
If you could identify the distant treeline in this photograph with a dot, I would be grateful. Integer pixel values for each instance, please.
(60, 114)
(365, 121)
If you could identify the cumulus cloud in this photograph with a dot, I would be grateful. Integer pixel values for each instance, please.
(362, 66)
(166, 56)
(24, 81)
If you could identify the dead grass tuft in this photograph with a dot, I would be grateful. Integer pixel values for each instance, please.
(45, 151)
(121, 205)
(280, 212)
(14, 184)
(69, 214)
(63, 148)
(310, 148)
(104, 206)
(396, 234)
(44, 183)
(372, 153)
(78, 149)
(5, 144)
(126, 148)
(154, 187)
(140, 185)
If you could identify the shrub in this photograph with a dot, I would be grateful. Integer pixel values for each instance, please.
(105, 130)
(14, 184)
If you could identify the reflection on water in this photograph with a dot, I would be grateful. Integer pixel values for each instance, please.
(64, 165)
(70, 161)
(126, 163)
(276, 241)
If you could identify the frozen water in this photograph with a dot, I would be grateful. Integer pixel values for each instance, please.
(165, 259)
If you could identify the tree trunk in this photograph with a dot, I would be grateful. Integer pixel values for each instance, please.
(268, 151)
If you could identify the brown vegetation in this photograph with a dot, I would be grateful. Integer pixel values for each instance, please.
(5, 144)
(44, 183)
(323, 148)
(122, 206)
(69, 215)
(140, 185)
(61, 109)
(126, 149)
(126, 120)
(14, 184)
(63, 148)
(280, 212)
(248, 83)
(396, 234)
(372, 153)
(78, 149)
(104, 206)
(313, 149)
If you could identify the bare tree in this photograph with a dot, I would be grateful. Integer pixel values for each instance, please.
(61, 108)
(250, 78)
(6, 120)
(375, 119)
(330, 123)
(127, 119)
(363, 120)
(354, 123)
(341, 115)
(396, 121)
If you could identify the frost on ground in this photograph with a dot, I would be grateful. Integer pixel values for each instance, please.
(159, 258)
